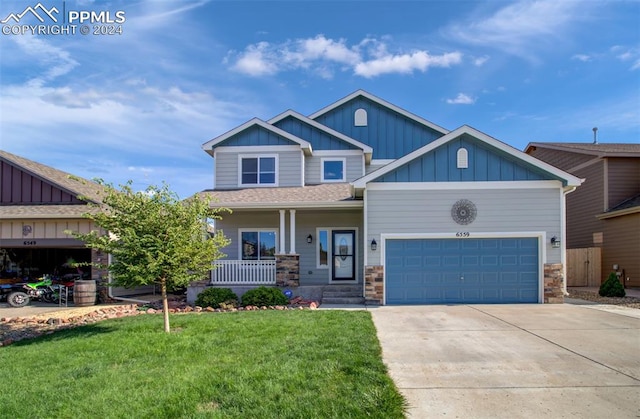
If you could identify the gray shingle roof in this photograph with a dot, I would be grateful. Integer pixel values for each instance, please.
(60, 179)
(331, 195)
(603, 149)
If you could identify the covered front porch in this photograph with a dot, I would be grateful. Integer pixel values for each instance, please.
(308, 235)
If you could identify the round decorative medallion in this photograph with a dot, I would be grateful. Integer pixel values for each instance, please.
(464, 212)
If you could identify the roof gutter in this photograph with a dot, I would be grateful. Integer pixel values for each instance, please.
(291, 205)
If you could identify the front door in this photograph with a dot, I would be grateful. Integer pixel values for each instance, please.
(343, 253)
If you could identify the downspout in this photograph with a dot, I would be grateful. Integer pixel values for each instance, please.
(110, 292)
(563, 242)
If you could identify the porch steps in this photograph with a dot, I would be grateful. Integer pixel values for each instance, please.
(342, 294)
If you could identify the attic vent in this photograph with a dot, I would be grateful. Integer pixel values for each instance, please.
(360, 118)
(463, 158)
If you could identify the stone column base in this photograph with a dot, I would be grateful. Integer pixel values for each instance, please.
(287, 270)
(373, 284)
(553, 283)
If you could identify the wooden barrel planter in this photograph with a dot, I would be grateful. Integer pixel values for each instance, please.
(84, 293)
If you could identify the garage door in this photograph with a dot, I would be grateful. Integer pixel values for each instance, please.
(440, 271)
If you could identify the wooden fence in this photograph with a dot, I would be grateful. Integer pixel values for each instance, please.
(584, 267)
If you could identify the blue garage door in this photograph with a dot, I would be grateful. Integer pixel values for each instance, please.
(441, 271)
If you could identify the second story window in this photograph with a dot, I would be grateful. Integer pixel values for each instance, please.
(258, 171)
(333, 170)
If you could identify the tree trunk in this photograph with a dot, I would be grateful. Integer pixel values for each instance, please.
(165, 304)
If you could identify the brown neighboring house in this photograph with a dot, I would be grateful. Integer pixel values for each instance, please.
(605, 211)
(38, 205)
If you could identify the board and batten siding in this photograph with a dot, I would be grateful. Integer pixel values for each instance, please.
(313, 167)
(289, 168)
(43, 229)
(391, 134)
(429, 212)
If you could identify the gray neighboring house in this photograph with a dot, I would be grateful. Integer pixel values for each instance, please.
(364, 200)
(605, 211)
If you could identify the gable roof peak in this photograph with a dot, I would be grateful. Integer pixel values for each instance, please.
(569, 179)
(381, 102)
(74, 185)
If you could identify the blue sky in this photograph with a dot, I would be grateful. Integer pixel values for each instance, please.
(140, 104)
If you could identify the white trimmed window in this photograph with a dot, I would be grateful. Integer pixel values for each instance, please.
(258, 244)
(258, 170)
(333, 170)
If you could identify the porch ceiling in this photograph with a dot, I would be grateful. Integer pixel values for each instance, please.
(336, 195)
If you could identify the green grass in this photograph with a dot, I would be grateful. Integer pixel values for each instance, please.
(267, 364)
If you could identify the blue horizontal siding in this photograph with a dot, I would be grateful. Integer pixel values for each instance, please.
(486, 163)
(255, 136)
(319, 139)
(390, 134)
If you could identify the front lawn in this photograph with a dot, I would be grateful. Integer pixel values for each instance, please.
(267, 364)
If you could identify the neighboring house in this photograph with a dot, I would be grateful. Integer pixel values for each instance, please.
(605, 211)
(37, 205)
(363, 195)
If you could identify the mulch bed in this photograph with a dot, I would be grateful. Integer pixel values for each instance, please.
(631, 302)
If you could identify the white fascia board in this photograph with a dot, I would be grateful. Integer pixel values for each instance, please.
(337, 153)
(381, 102)
(365, 148)
(292, 205)
(305, 145)
(443, 186)
(465, 129)
(256, 149)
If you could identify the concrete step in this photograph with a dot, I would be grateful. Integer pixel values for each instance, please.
(342, 300)
(330, 294)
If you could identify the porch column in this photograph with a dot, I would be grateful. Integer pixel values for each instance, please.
(281, 250)
(292, 231)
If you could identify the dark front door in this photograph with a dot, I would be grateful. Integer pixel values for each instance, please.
(344, 255)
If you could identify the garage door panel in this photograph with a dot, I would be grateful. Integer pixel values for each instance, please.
(461, 271)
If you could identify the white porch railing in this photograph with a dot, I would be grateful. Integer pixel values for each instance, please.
(244, 272)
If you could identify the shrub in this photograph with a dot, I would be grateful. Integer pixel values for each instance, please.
(215, 297)
(612, 287)
(264, 296)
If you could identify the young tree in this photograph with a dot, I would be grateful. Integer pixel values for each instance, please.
(155, 238)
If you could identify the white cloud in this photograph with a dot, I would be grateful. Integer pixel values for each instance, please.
(582, 57)
(521, 27)
(257, 60)
(406, 63)
(627, 54)
(462, 99)
(55, 61)
(479, 61)
(323, 56)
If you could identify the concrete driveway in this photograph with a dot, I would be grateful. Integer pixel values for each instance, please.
(513, 361)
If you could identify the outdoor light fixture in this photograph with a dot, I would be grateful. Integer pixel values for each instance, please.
(374, 245)
(555, 242)
(309, 239)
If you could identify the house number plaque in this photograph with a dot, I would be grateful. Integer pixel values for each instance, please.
(464, 212)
